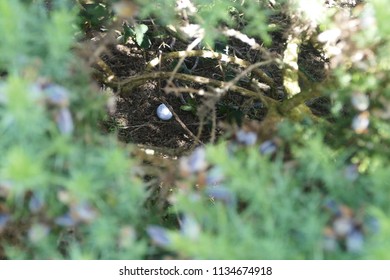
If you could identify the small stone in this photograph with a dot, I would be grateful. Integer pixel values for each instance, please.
(163, 112)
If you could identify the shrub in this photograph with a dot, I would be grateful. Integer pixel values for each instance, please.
(67, 191)
(294, 185)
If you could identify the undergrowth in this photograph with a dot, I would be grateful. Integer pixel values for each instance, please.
(299, 170)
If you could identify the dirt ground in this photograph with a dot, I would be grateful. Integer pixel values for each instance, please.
(136, 121)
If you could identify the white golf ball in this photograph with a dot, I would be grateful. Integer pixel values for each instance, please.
(163, 112)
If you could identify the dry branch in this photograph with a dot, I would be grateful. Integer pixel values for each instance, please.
(129, 83)
(214, 55)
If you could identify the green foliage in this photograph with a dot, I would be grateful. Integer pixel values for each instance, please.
(59, 33)
(138, 34)
(275, 209)
(72, 189)
(256, 15)
(270, 220)
(163, 8)
(190, 106)
(94, 15)
(13, 47)
(213, 15)
(379, 246)
(316, 189)
(381, 14)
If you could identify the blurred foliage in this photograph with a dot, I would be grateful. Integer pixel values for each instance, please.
(315, 190)
(66, 191)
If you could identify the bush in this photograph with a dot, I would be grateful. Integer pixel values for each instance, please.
(67, 191)
(295, 184)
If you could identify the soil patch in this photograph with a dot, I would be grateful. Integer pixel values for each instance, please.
(135, 119)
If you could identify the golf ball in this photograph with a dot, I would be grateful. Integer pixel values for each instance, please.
(163, 112)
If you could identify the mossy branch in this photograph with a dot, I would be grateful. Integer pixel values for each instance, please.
(287, 105)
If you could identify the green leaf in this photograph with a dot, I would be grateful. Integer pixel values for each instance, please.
(140, 31)
(187, 108)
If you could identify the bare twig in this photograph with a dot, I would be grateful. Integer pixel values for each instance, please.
(189, 48)
(242, 74)
(179, 90)
(245, 39)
